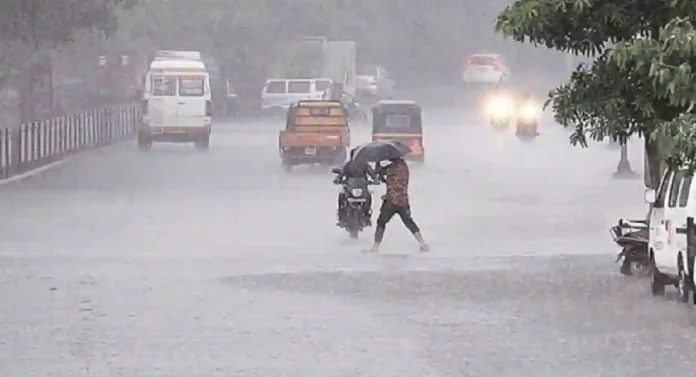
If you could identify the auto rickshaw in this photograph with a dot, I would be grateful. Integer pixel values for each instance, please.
(316, 131)
(401, 121)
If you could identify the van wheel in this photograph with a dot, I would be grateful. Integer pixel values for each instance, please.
(287, 166)
(657, 285)
(683, 282)
(144, 143)
(203, 143)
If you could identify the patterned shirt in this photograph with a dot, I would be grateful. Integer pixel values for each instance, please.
(397, 176)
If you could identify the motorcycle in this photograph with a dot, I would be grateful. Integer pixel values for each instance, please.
(527, 123)
(632, 236)
(499, 110)
(357, 212)
(355, 113)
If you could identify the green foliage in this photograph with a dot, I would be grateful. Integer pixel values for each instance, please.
(641, 82)
(42, 22)
(669, 60)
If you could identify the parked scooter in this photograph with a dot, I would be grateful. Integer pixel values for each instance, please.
(632, 236)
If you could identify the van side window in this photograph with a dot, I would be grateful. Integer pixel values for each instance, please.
(686, 187)
(660, 200)
(164, 86)
(276, 87)
(674, 188)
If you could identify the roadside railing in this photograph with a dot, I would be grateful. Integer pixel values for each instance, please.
(37, 144)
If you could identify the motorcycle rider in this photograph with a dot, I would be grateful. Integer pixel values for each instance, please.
(396, 201)
(364, 174)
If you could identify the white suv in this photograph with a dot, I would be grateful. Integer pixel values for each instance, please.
(485, 69)
(674, 201)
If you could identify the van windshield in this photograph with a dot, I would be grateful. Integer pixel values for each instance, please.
(299, 86)
(275, 87)
(164, 86)
(191, 86)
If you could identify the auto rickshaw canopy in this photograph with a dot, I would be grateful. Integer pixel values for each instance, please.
(397, 117)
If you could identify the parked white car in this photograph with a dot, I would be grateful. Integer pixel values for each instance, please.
(279, 94)
(673, 202)
(374, 80)
(485, 69)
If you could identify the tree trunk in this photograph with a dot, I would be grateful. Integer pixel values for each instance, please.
(654, 158)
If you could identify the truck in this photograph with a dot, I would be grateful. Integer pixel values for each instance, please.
(317, 57)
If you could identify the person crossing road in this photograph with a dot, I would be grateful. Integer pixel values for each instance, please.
(396, 201)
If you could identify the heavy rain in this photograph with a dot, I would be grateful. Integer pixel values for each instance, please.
(346, 188)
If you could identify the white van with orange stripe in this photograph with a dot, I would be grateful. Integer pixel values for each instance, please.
(177, 106)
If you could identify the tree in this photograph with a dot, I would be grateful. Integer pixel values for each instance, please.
(31, 26)
(622, 93)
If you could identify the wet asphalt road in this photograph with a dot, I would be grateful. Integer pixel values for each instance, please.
(181, 263)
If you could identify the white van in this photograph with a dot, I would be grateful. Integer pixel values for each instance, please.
(673, 202)
(279, 94)
(177, 101)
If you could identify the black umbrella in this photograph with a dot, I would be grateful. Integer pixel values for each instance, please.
(381, 150)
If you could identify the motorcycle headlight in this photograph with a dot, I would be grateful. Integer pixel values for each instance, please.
(499, 107)
(529, 112)
(356, 192)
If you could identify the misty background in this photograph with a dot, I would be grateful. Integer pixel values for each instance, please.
(422, 44)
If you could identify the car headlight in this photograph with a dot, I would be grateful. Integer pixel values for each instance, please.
(529, 112)
(356, 192)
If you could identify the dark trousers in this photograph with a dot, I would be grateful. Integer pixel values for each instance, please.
(386, 212)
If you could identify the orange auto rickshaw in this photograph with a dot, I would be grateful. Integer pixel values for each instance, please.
(401, 121)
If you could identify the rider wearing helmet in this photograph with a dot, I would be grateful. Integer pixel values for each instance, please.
(360, 173)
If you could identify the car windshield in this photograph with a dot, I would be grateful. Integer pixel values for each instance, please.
(299, 86)
(322, 85)
(483, 60)
(369, 70)
(275, 87)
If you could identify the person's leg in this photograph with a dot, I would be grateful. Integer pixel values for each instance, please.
(386, 212)
(407, 218)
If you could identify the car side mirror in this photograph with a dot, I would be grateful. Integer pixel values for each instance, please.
(650, 196)
(336, 170)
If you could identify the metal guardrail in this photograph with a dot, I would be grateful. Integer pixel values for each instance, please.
(37, 144)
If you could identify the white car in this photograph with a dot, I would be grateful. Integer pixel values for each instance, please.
(673, 202)
(485, 69)
(374, 80)
(279, 94)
